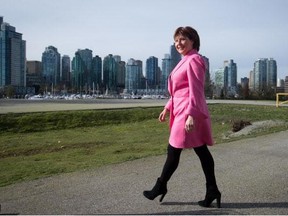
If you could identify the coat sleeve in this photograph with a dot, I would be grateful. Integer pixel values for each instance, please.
(196, 80)
(168, 104)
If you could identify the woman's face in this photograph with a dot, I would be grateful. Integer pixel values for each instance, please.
(183, 44)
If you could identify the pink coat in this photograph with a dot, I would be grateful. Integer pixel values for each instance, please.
(186, 87)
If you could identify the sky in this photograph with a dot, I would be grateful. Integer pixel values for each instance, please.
(242, 30)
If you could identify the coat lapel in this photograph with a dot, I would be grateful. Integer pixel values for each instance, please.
(178, 65)
(193, 51)
(183, 60)
(173, 71)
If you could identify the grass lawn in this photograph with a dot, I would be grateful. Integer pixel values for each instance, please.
(55, 145)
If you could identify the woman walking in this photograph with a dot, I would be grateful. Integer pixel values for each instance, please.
(190, 124)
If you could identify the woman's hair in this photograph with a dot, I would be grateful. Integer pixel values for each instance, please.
(190, 33)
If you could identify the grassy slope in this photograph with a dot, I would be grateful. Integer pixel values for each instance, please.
(45, 144)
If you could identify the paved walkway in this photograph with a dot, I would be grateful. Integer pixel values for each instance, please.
(22, 106)
(252, 176)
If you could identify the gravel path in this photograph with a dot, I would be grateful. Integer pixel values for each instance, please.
(256, 127)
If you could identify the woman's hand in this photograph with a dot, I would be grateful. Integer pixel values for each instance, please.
(189, 124)
(162, 115)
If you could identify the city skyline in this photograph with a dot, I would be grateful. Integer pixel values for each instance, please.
(140, 29)
(86, 71)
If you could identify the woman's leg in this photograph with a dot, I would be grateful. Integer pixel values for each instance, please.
(171, 164)
(207, 163)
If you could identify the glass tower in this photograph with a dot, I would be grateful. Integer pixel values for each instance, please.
(231, 74)
(166, 70)
(265, 74)
(133, 76)
(81, 70)
(152, 72)
(51, 66)
(97, 72)
(175, 56)
(109, 74)
(66, 70)
(12, 56)
(271, 73)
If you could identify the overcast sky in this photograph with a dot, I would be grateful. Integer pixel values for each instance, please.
(242, 30)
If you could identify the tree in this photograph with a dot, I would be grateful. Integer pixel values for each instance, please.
(10, 91)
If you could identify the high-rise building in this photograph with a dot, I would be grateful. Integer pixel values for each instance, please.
(109, 74)
(86, 57)
(166, 70)
(142, 83)
(219, 82)
(280, 88)
(286, 84)
(264, 74)
(77, 76)
(231, 74)
(251, 80)
(219, 77)
(260, 75)
(133, 76)
(244, 82)
(12, 56)
(117, 58)
(226, 79)
(208, 88)
(207, 67)
(280, 82)
(81, 70)
(34, 74)
(97, 72)
(51, 66)
(244, 92)
(152, 72)
(271, 73)
(230, 78)
(66, 71)
(34, 67)
(175, 56)
(120, 73)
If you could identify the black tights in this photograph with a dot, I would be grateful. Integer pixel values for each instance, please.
(173, 158)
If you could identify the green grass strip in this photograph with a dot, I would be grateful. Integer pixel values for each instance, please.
(44, 144)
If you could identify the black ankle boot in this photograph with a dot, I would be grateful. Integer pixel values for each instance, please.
(212, 193)
(160, 188)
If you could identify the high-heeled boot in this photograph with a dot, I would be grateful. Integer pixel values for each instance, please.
(160, 188)
(212, 193)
